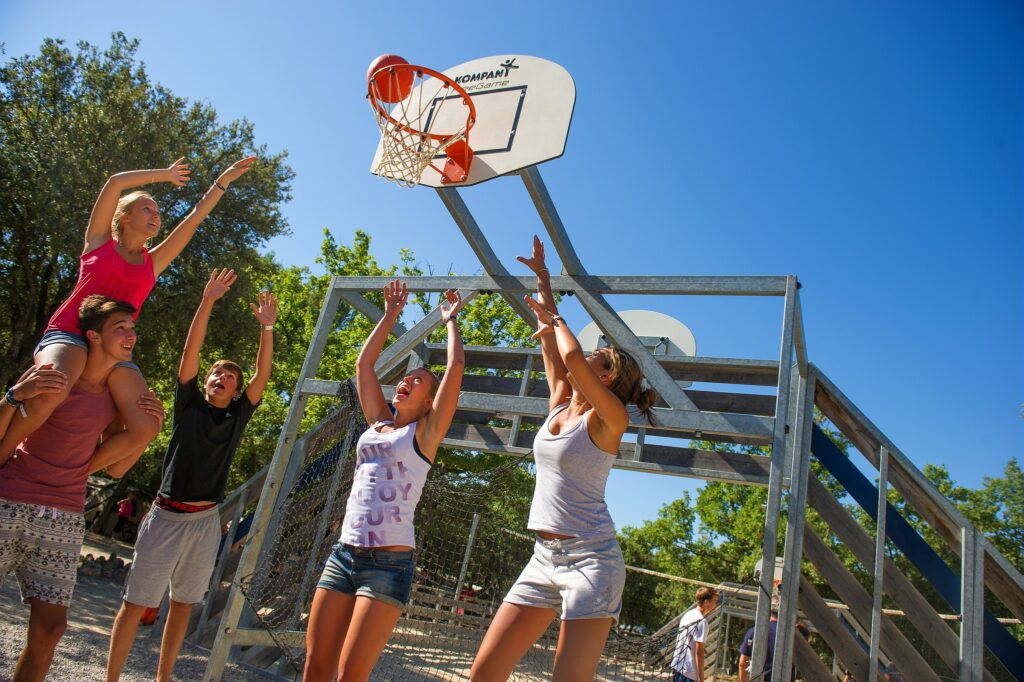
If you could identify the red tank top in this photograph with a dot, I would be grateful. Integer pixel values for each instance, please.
(104, 271)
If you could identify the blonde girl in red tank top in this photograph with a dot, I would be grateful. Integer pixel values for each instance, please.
(116, 263)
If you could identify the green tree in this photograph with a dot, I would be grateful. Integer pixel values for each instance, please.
(68, 120)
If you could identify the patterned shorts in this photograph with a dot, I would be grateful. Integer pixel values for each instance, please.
(40, 545)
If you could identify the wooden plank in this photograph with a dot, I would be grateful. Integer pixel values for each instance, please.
(708, 401)
(811, 668)
(679, 367)
(894, 643)
(688, 462)
(905, 477)
(896, 584)
(1007, 585)
(838, 638)
(750, 426)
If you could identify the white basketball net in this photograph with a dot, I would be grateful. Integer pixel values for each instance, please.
(407, 148)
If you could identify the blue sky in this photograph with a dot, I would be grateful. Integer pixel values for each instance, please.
(873, 149)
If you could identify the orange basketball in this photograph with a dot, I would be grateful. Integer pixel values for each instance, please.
(392, 86)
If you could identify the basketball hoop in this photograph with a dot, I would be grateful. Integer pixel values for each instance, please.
(410, 138)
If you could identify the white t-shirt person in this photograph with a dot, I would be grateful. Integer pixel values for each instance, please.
(693, 630)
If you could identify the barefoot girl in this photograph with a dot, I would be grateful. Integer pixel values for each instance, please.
(116, 263)
(577, 572)
(368, 575)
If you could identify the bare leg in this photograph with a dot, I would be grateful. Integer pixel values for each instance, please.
(126, 385)
(174, 635)
(368, 632)
(511, 634)
(69, 359)
(580, 643)
(46, 626)
(328, 623)
(122, 634)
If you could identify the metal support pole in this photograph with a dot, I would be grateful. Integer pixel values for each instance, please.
(271, 489)
(972, 605)
(876, 605)
(797, 519)
(774, 504)
(484, 253)
(465, 559)
(218, 571)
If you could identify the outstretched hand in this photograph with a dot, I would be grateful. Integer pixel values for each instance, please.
(220, 282)
(266, 311)
(544, 316)
(536, 261)
(395, 297)
(178, 173)
(39, 379)
(236, 170)
(454, 300)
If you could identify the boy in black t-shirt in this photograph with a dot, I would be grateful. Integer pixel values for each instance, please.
(178, 539)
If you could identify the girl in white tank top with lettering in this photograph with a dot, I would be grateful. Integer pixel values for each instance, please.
(577, 572)
(368, 575)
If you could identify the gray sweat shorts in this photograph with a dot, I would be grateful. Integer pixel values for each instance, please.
(176, 549)
(578, 577)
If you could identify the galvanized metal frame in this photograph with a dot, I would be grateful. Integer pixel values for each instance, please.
(774, 504)
(799, 386)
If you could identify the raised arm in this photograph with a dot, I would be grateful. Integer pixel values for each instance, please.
(447, 397)
(98, 231)
(554, 368)
(371, 397)
(611, 415)
(220, 282)
(266, 315)
(178, 239)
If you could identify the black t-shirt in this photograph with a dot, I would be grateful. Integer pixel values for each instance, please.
(204, 439)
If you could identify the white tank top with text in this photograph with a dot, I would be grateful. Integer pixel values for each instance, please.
(389, 477)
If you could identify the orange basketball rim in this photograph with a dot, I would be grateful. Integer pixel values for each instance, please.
(409, 136)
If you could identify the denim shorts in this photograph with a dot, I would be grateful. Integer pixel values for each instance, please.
(59, 336)
(365, 572)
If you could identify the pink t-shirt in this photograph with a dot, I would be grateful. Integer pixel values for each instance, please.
(49, 468)
(104, 271)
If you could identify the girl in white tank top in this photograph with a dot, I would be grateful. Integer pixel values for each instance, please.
(577, 568)
(369, 573)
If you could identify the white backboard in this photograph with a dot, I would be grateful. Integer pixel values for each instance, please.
(523, 109)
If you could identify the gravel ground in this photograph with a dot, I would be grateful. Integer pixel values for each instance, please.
(82, 653)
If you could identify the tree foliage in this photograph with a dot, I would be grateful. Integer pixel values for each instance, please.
(70, 119)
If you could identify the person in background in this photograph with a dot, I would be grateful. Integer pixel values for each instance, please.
(688, 658)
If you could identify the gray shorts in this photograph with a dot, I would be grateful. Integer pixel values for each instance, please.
(40, 545)
(176, 549)
(579, 577)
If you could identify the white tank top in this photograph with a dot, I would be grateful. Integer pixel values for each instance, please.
(389, 477)
(571, 476)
